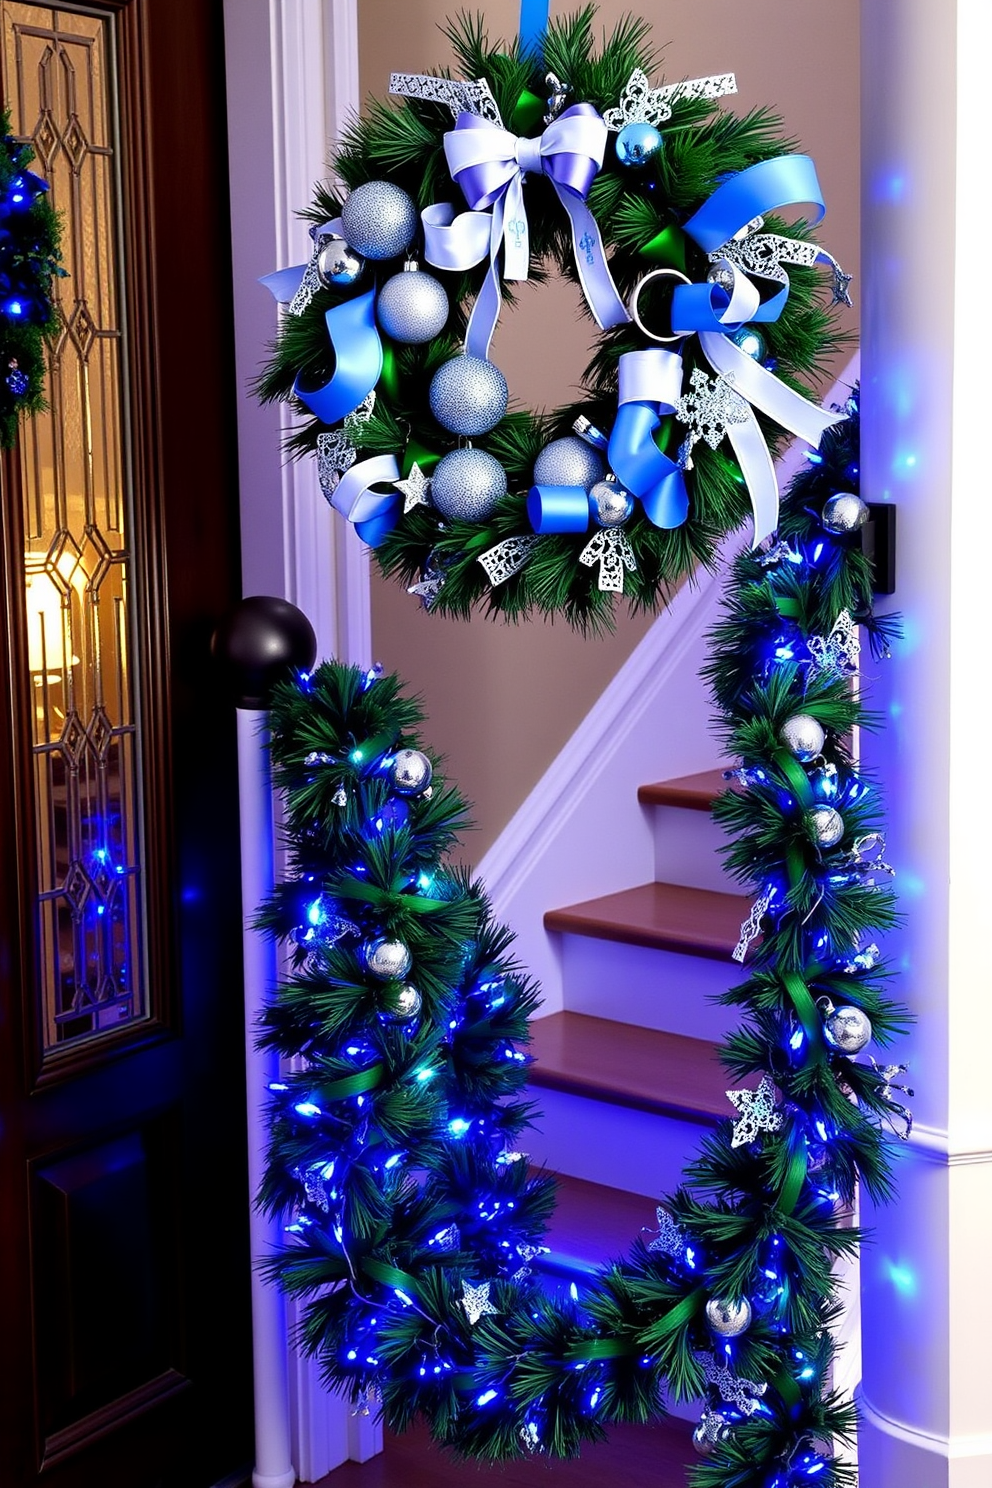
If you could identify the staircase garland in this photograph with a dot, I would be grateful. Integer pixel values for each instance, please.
(413, 1222)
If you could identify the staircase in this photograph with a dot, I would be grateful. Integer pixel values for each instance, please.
(627, 1075)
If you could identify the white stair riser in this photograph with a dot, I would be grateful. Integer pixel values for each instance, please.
(614, 1145)
(687, 848)
(655, 989)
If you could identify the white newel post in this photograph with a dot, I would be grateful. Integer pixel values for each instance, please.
(292, 77)
(927, 1304)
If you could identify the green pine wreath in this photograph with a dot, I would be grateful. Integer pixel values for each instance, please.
(640, 207)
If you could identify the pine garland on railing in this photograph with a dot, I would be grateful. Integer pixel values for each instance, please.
(413, 1221)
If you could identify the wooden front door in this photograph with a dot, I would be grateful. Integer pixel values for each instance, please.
(124, 1303)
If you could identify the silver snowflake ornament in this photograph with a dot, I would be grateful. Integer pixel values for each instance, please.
(475, 1300)
(758, 1112)
(610, 548)
(839, 651)
(708, 409)
(507, 558)
(313, 1185)
(670, 1239)
(416, 489)
(362, 413)
(752, 925)
(530, 1436)
(335, 455)
(642, 104)
(733, 1388)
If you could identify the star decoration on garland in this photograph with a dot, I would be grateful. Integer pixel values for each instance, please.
(475, 1301)
(733, 1388)
(842, 286)
(416, 489)
(670, 1239)
(758, 1112)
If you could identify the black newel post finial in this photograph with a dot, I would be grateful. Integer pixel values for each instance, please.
(258, 644)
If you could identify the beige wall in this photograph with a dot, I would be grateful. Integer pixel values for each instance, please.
(502, 700)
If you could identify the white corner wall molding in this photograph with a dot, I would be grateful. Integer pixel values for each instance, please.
(934, 1443)
(926, 1144)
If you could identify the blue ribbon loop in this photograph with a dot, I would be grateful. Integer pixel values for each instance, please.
(558, 509)
(639, 465)
(352, 331)
(785, 181)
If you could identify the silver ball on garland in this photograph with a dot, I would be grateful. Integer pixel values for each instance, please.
(751, 342)
(412, 307)
(379, 220)
(400, 1004)
(611, 504)
(844, 513)
(847, 1029)
(339, 266)
(826, 825)
(468, 395)
(410, 773)
(712, 1430)
(723, 275)
(637, 144)
(390, 960)
(728, 1316)
(569, 462)
(803, 736)
(467, 485)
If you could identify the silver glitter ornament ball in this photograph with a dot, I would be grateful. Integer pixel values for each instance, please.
(569, 462)
(467, 485)
(847, 1029)
(802, 736)
(338, 265)
(400, 1004)
(826, 825)
(844, 513)
(611, 505)
(728, 1316)
(412, 307)
(468, 395)
(410, 773)
(390, 960)
(379, 220)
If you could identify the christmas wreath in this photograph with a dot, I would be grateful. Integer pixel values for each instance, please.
(29, 252)
(713, 314)
(413, 1223)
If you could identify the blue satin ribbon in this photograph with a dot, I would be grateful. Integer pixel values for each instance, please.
(373, 514)
(354, 336)
(649, 388)
(533, 23)
(785, 181)
(558, 509)
(283, 284)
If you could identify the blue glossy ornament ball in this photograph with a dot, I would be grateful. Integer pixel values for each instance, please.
(637, 144)
(467, 484)
(751, 343)
(468, 395)
(379, 220)
(412, 307)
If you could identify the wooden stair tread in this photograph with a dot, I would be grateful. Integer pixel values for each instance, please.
(694, 792)
(655, 1456)
(667, 1074)
(592, 1224)
(666, 917)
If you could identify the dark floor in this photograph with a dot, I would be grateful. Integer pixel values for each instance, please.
(642, 1456)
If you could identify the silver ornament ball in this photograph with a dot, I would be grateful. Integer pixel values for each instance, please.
(847, 1029)
(711, 1431)
(826, 825)
(410, 772)
(400, 1004)
(844, 513)
(728, 1316)
(803, 736)
(569, 462)
(611, 504)
(338, 266)
(468, 395)
(412, 307)
(723, 275)
(379, 220)
(637, 144)
(390, 960)
(467, 485)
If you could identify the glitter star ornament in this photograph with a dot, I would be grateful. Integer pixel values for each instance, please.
(475, 1301)
(416, 489)
(734, 1389)
(708, 409)
(670, 1239)
(758, 1112)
